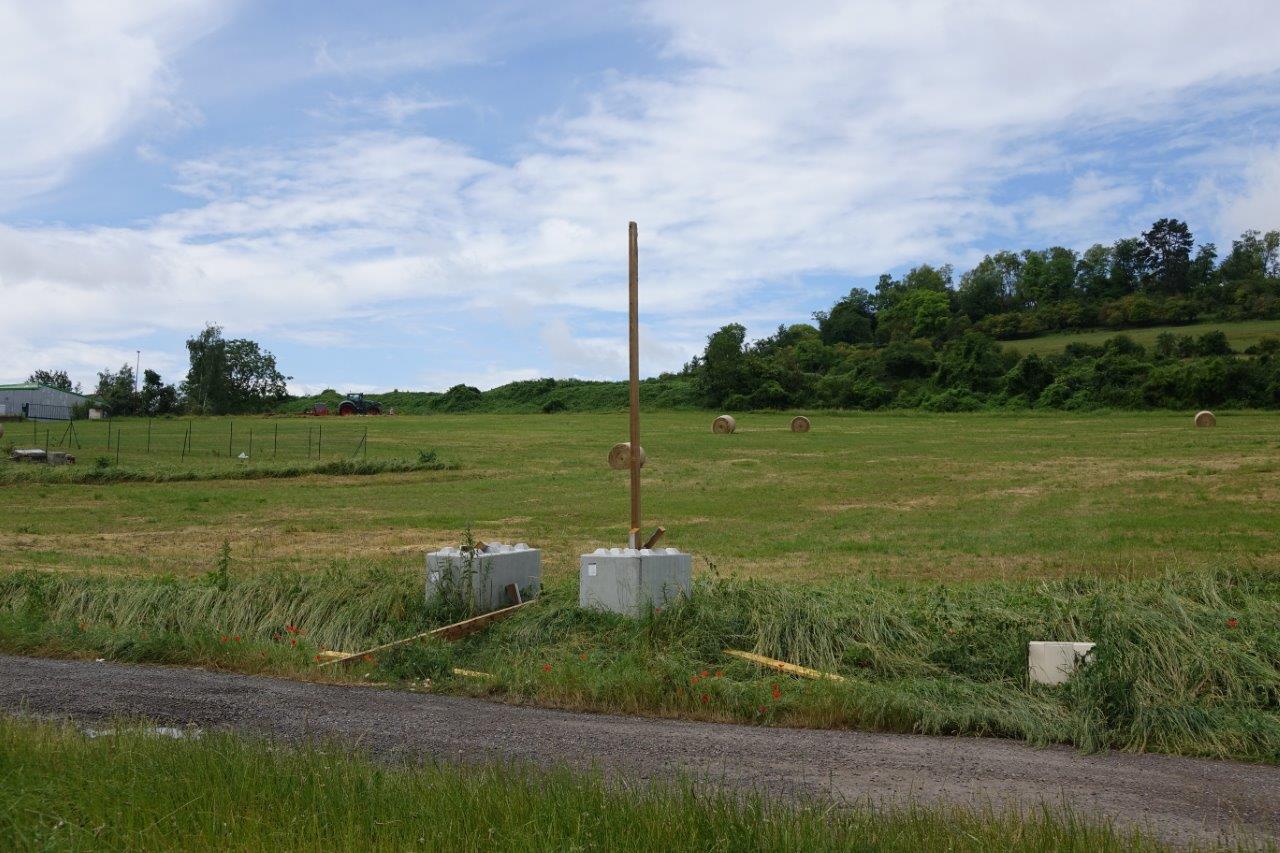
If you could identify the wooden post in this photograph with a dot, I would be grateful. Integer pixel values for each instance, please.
(230, 435)
(633, 283)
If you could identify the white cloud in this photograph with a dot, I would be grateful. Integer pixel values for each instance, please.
(75, 75)
(1256, 205)
(834, 138)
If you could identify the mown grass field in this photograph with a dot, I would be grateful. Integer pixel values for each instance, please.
(895, 495)
(913, 554)
(1241, 335)
(127, 790)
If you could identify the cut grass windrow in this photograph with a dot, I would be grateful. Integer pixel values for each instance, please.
(11, 475)
(1188, 663)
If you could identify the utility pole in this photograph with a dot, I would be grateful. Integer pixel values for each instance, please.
(136, 369)
(633, 283)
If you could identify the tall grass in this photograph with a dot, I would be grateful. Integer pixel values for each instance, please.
(99, 475)
(1186, 663)
(130, 791)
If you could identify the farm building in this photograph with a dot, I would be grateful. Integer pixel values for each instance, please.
(38, 402)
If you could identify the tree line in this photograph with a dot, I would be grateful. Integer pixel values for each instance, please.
(225, 377)
(926, 341)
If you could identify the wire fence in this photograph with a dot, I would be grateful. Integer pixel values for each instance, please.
(209, 440)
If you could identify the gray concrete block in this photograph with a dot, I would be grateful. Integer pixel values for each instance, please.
(488, 573)
(627, 581)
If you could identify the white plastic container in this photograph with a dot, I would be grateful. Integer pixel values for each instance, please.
(1053, 663)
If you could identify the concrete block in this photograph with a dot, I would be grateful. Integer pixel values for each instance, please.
(1053, 663)
(488, 573)
(630, 581)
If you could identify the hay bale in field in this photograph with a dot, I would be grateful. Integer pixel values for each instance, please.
(620, 456)
(799, 424)
(724, 425)
(1206, 419)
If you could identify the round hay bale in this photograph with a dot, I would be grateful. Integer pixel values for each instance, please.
(1206, 419)
(724, 425)
(799, 424)
(620, 456)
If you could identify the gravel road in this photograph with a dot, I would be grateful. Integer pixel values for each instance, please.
(1179, 799)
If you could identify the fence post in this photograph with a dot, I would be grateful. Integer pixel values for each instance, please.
(275, 441)
(148, 436)
(319, 441)
(230, 436)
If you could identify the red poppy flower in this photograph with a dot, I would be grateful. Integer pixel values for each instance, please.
(546, 667)
(777, 692)
(237, 638)
(1233, 622)
(762, 710)
(224, 638)
(367, 658)
(693, 679)
(705, 698)
(293, 642)
(719, 673)
(583, 656)
(703, 673)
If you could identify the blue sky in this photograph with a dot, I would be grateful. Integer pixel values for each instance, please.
(408, 195)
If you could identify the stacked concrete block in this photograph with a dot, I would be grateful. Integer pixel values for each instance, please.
(488, 573)
(631, 581)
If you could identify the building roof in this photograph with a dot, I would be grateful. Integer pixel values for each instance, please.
(35, 386)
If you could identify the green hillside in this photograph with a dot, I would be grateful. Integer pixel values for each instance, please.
(1241, 335)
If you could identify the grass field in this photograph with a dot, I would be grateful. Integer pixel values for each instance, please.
(895, 495)
(127, 790)
(1241, 335)
(913, 554)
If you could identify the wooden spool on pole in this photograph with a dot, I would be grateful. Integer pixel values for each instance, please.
(620, 456)
(1206, 419)
(724, 425)
(800, 424)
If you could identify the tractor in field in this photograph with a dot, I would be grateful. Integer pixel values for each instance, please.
(356, 404)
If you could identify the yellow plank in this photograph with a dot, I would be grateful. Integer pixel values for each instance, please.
(783, 666)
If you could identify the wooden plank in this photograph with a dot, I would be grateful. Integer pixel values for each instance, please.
(653, 540)
(471, 673)
(449, 633)
(783, 666)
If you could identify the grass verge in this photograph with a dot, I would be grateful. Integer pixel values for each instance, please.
(1186, 664)
(128, 790)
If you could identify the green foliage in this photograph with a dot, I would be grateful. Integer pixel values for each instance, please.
(422, 660)
(105, 471)
(230, 376)
(1187, 663)
(53, 379)
(61, 789)
(220, 577)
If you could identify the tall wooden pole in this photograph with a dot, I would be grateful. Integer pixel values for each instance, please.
(634, 286)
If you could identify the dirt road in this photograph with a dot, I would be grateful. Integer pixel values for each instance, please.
(1178, 799)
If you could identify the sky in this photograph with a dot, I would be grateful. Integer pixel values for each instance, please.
(411, 195)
